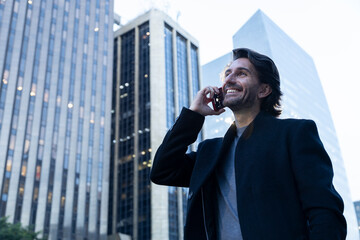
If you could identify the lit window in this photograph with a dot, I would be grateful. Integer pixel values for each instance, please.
(36, 193)
(46, 96)
(70, 105)
(8, 165)
(123, 196)
(49, 197)
(23, 170)
(38, 172)
(58, 100)
(96, 29)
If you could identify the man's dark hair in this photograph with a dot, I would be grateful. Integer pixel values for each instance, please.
(268, 74)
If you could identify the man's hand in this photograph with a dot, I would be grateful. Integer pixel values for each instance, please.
(202, 99)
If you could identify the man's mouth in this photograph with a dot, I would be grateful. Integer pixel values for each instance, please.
(233, 90)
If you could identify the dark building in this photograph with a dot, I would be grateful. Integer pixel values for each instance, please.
(156, 73)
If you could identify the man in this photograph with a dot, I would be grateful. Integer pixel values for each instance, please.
(267, 179)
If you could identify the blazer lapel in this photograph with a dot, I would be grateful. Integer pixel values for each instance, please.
(209, 158)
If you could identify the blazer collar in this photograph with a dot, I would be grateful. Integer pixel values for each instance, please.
(214, 157)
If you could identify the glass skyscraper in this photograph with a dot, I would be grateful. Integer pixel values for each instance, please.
(303, 94)
(156, 73)
(55, 112)
(357, 210)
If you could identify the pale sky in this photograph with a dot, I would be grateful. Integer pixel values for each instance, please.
(328, 30)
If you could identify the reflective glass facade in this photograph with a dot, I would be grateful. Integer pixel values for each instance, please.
(144, 145)
(152, 82)
(303, 93)
(182, 72)
(126, 154)
(55, 115)
(357, 210)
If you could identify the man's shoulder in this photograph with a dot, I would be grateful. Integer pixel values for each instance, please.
(288, 123)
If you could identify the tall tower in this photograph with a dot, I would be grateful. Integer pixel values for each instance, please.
(303, 94)
(156, 74)
(55, 112)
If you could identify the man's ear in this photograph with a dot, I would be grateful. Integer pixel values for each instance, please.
(264, 90)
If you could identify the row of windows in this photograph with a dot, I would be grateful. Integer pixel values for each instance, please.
(69, 114)
(183, 101)
(19, 91)
(170, 118)
(2, 6)
(103, 106)
(15, 114)
(30, 114)
(144, 207)
(54, 144)
(169, 77)
(8, 57)
(81, 115)
(124, 219)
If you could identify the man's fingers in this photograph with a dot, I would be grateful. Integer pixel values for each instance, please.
(210, 91)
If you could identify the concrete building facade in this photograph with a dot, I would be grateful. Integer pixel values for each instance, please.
(55, 103)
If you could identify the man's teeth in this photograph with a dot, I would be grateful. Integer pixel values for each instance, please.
(231, 91)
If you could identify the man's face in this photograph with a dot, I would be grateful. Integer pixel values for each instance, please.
(241, 85)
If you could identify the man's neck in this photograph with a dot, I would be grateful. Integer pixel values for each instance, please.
(245, 117)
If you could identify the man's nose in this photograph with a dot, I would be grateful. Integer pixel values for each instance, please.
(229, 79)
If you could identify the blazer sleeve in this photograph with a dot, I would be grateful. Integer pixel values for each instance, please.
(313, 172)
(171, 165)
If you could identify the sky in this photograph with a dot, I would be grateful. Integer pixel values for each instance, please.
(328, 30)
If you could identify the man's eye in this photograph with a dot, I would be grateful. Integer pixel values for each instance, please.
(242, 74)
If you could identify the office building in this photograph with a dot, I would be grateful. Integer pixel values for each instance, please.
(357, 210)
(156, 73)
(55, 115)
(303, 94)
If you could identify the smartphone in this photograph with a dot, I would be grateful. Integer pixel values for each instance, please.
(217, 100)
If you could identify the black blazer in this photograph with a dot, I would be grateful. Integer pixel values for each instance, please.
(283, 179)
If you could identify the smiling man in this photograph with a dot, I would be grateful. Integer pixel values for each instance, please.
(266, 179)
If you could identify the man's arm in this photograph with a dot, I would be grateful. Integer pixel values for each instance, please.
(313, 171)
(171, 165)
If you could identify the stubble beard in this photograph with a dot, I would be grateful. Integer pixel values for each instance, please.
(239, 104)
